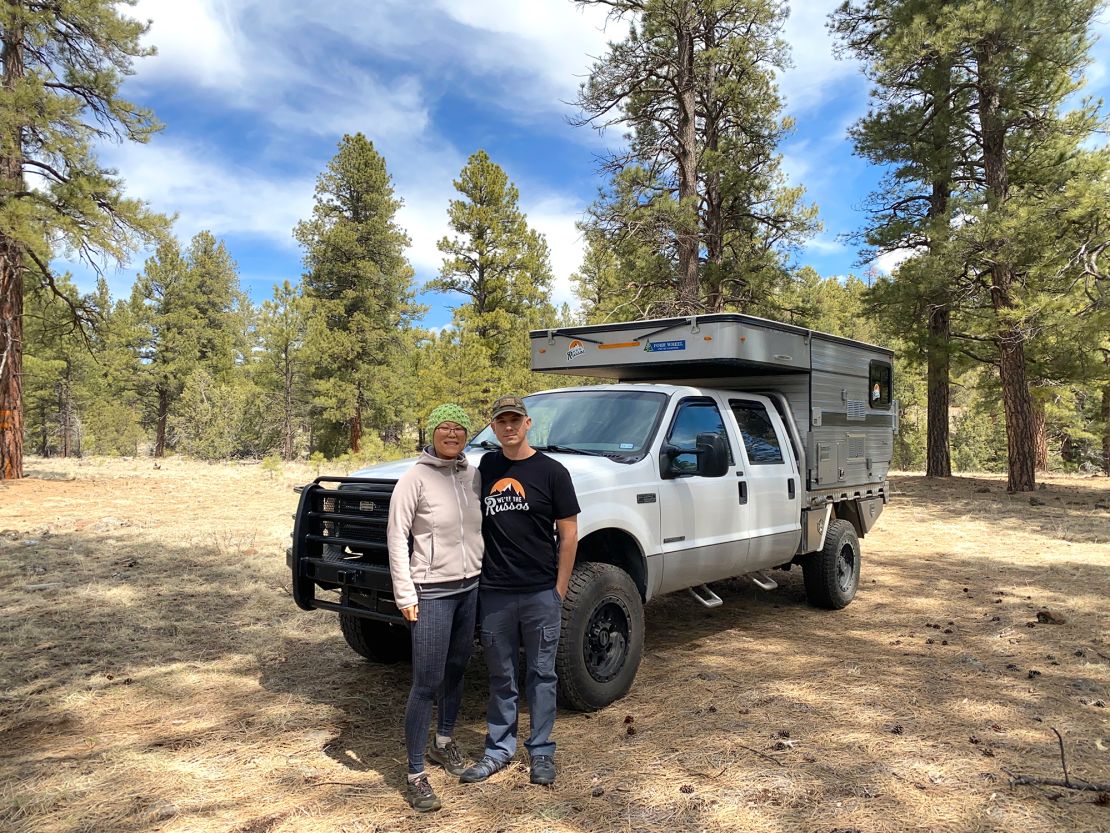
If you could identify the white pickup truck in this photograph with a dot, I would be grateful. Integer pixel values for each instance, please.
(734, 445)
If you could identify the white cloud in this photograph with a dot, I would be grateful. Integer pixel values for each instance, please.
(551, 39)
(197, 39)
(554, 217)
(1099, 70)
(815, 70)
(887, 262)
(824, 245)
(209, 193)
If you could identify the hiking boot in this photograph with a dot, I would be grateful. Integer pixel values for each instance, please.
(482, 770)
(449, 757)
(543, 770)
(421, 795)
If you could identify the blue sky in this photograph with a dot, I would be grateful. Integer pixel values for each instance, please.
(255, 95)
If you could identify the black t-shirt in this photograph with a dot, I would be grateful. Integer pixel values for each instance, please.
(521, 500)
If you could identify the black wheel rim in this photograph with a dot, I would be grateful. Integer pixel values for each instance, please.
(846, 568)
(605, 646)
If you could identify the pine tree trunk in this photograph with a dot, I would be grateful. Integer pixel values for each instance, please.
(44, 432)
(160, 423)
(938, 460)
(1017, 402)
(287, 419)
(65, 411)
(938, 456)
(356, 425)
(1040, 437)
(1020, 422)
(1106, 428)
(11, 277)
(63, 422)
(687, 235)
(11, 360)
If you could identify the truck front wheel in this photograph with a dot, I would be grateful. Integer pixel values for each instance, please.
(602, 639)
(377, 641)
(832, 575)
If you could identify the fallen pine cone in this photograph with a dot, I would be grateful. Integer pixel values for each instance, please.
(1047, 617)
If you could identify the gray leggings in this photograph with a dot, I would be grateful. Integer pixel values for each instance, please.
(442, 639)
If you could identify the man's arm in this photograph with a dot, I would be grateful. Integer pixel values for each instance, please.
(567, 531)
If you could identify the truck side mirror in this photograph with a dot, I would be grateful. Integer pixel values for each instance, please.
(712, 454)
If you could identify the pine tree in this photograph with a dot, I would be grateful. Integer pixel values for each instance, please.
(994, 80)
(63, 63)
(501, 265)
(281, 370)
(918, 120)
(358, 286)
(185, 313)
(700, 181)
(57, 364)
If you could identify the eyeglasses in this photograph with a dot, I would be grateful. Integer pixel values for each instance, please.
(451, 430)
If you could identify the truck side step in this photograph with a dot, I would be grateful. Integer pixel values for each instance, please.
(763, 581)
(706, 596)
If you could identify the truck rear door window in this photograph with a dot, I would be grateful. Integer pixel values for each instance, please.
(695, 416)
(758, 432)
(880, 381)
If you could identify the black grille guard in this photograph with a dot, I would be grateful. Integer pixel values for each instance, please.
(339, 543)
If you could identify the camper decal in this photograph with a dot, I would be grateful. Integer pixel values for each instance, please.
(575, 349)
(664, 346)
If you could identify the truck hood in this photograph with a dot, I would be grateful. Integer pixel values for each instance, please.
(590, 474)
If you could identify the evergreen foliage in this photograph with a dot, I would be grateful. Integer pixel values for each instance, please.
(992, 184)
(501, 265)
(63, 63)
(698, 196)
(995, 189)
(358, 290)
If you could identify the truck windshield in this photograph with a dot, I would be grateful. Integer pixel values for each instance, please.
(614, 423)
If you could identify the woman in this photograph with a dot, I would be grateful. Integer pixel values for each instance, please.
(436, 506)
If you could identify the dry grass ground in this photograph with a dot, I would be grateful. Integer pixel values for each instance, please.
(156, 675)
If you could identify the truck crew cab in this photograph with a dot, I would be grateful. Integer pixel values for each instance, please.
(728, 445)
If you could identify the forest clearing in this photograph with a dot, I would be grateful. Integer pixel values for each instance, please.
(156, 675)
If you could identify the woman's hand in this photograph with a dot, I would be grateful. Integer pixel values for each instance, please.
(410, 612)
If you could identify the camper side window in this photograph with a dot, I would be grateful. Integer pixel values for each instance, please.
(696, 416)
(760, 440)
(879, 384)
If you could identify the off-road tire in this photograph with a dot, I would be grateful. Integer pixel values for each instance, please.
(381, 642)
(832, 575)
(596, 670)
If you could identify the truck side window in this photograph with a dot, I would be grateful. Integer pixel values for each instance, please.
(693, 418)
(879, 385)
(757, 431)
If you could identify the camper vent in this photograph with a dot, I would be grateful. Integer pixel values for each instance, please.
(857, 410)
(855, 447)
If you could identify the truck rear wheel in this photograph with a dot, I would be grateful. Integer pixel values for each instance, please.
(381, 642)
(832, 575)
(602, 639)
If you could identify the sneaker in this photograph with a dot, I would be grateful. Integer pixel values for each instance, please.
(482, 770)
(449, 757)
(421, 795)
(543, 770)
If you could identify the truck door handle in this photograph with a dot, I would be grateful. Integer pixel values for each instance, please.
(790, 487)
(743, 487)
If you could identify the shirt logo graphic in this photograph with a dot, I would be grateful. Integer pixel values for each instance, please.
(506, 495)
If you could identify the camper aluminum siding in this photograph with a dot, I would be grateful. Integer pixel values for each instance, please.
(851, 438)
(826, 379)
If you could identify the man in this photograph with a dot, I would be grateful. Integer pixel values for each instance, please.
(530, 529)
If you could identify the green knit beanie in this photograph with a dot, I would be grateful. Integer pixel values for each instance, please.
(448, 413)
